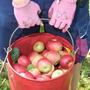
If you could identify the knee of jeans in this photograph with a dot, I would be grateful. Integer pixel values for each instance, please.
(79, 59)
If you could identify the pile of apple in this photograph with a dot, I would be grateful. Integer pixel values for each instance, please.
(47, 61)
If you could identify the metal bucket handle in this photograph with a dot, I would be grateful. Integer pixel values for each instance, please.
(43, 19)
(13, 33)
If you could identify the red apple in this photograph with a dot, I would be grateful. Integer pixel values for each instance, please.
(30, 66)
(32, 55)
(66, 61)
(63, 53)
(35, 57)
(19, 68)
(57, 73)
(50, 72)
(44, 65)
(27, 75)
(53, 57)
(24, 61)
(67, 49)
(54, 45)
(64, 70)
(35, 72)
(38, 46)
(44, 53)
(42, 78)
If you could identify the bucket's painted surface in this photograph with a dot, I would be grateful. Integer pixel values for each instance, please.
(25, 45)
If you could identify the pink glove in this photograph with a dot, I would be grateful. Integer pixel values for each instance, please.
(62, 14)
(27, 14)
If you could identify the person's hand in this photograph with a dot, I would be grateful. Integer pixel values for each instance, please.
(27, 15)
(61, 14)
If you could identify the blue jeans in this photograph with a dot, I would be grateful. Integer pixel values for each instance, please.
(8, 23)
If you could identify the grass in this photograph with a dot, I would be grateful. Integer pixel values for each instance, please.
(4, 82)
(84, 83)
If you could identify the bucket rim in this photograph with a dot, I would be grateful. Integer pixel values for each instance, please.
(34, 80)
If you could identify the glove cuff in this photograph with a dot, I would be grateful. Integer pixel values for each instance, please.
(70, 1)
(21, 5)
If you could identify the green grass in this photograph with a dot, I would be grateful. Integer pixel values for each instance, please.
(4, 82)
(84, 83)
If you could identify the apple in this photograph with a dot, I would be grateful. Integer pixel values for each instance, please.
(52, 56)
(44, 53)
(63, 53)
(24, 61)
(38, 46)
(35, 72)
(64, 70)
(34, 58)
(19, 68)
(30, 66)
(32, 55)
(42, 78)
(57, 73)
(44, 65)
(66, 61)
(50, 72)
(27, 75)
(67, 49)
(54, 45)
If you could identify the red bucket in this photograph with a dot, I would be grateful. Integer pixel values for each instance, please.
(20, 83)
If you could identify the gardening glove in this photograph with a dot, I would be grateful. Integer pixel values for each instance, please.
(27, 14)
(61, 14)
